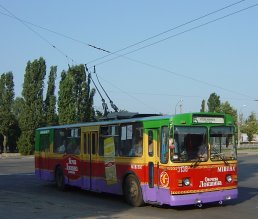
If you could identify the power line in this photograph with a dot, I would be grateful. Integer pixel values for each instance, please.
(175, 35)
(129, 95)
(166, 31)
(150, 65)
(57, 33)
(178, 74)
(132, 45)
(104, 105)
(38, 34)
(187, 77)
(110, 101)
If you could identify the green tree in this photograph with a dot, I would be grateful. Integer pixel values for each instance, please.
(75, 98)
(18, 105)
(89, 112)
(251, 126)
(31, 116)
(228, 109)
(50, 101)
(203, 106)
(7, 118)
(214, 103)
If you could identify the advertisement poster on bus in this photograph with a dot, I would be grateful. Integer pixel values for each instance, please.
(109, 156)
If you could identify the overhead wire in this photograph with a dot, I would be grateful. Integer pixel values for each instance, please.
(104, 105)
(134, 44)
(58, 33)
(179, 74)
(166, 31)
(38, 34)
(129, 95)
(175, 35)
(150, 65)
(110, 101)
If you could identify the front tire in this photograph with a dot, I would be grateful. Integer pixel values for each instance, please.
(133, 191)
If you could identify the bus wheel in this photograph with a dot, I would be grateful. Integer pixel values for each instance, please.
(59, 178)
(132, 191)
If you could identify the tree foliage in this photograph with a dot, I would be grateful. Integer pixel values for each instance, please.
(250, 127)
(214, 103)
(18, 105)
(75, 98)
(228, 109)
(50, 101)
(31, 116)
(203, 108)
(8, 122)
(20, 117)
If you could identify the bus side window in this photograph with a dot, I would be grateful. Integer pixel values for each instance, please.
(137, 144)
(94, 143)
(73, 141)
(164, 149)
(89, 143)
(85, 143)
(59, 141)
(150, 143)
(44, 143)
(102, 136)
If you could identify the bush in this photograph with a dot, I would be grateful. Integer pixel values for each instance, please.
(25, 146)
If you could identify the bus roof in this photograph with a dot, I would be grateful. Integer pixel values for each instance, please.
(135, 117)
(108, 122)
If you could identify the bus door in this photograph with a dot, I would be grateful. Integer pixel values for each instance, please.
(153, 163)
(44, 149)
(72, 155)
(90, 147)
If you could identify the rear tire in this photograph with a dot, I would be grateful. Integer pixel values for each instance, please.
(59, 179)
(133, 191)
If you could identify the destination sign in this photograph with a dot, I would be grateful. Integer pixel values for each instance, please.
(203, 119)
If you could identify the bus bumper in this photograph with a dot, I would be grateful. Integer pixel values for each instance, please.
(202, 198)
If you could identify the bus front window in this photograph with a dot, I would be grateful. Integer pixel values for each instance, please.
(189, 144)
(222, 143)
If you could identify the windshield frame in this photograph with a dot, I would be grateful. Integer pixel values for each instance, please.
(190, 144)
(220, 147)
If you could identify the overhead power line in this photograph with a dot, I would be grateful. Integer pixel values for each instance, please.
(56, 33)
(104, 105)
(111, 102)
(38, 34)
(175, 35)
(166, 31)
(132, 45)
(143, 63)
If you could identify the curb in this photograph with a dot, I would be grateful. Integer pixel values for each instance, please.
(13, 155)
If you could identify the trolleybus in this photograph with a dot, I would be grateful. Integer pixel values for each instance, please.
(183, 159)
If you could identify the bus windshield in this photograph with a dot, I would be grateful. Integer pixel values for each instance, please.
(222, 143)
(189, 144)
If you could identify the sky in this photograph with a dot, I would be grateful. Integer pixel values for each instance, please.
(150, 56)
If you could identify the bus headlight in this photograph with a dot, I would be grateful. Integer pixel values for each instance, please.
(229, 178)
(186, 182)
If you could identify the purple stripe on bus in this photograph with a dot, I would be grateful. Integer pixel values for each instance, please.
(162, 196)
(206, 197)
(98, 185)
(150, 195)
(44, 174)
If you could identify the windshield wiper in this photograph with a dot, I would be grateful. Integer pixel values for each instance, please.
(220, 155)
(195, 163)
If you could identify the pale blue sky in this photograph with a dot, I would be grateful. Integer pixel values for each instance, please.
(219, 57)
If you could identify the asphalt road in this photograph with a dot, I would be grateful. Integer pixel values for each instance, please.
(22, 195)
